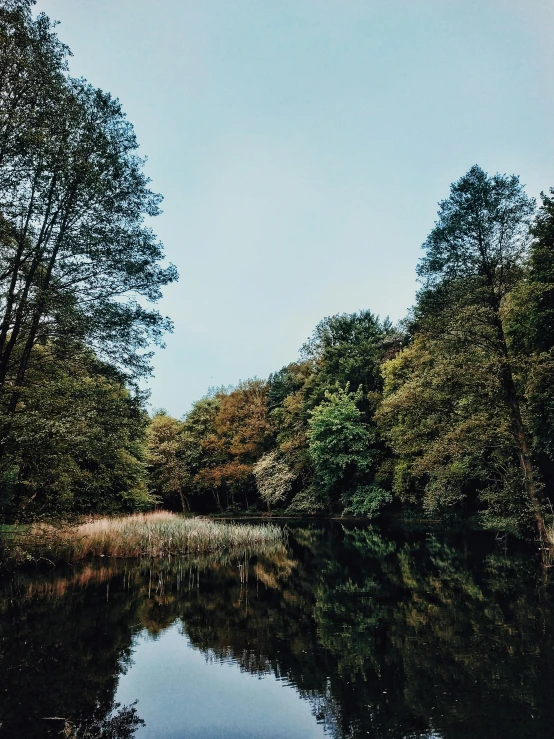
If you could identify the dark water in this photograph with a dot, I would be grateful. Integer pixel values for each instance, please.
(344, 633)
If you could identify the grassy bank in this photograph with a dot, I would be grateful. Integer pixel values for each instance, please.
(159, 534)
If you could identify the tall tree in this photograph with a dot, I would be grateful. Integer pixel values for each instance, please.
(530, 323)
(197, 453)
(166, 476)
(474, 258)
(78, 266)
(541, 275)
(77, 253)
(451, 437)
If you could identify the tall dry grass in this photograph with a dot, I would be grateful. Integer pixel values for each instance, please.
(158, 534)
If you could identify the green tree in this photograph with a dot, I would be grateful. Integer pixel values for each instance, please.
(530, 325)
(288, 413)
(474, 258)
(451, 438)
(76, 251)
(166, 475)
(343, 452)
(541, 277)
(347, 349)
(195, 452)
(75, 442)
(78, 267)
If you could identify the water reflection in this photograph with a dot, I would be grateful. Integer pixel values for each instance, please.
(407, 636)
(183, 691)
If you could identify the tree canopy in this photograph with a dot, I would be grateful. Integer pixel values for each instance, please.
(448, 414)
(79, 266)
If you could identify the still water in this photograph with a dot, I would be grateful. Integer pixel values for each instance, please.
(345, 632)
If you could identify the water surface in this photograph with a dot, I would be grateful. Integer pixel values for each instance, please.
(343, 633)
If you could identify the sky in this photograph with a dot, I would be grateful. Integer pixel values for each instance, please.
(301, 147)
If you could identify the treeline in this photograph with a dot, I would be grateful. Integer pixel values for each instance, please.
(450, 413)
(78, 267)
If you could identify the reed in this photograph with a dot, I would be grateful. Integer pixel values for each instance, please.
(158, 534)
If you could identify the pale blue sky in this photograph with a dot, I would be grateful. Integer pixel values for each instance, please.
(301, 147)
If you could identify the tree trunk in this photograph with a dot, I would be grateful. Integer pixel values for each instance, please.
(38, 314)
(218, 500)
(45, 232)
(519, 431)
(520, 436)
(184, 503)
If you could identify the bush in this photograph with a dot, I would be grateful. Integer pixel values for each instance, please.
(366, 500)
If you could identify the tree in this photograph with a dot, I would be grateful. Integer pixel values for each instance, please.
(288, 413)
(77, 254)
(166, 476)
(346, 349)
(33, 63)
(75, 442)
(241, 434)
(451, 438)
(196, 453)
(530, 327)
(274, 478)
(342, 448)
(474, 257)
(78, 266)
(541, 277)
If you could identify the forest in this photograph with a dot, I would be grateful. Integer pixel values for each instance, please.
(447, 415)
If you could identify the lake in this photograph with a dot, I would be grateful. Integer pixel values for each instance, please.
(343, 632)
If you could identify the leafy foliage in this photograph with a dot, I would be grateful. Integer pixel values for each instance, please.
(456, 401)
(78, 267)
(449, 414)
(165, 471)
(274, 478)
(340, 445)
(88, 429)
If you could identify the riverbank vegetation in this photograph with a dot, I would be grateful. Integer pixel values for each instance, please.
(157, 534)
(449, 413)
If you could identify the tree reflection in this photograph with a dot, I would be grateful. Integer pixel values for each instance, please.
(120, 724)
(411, 635)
